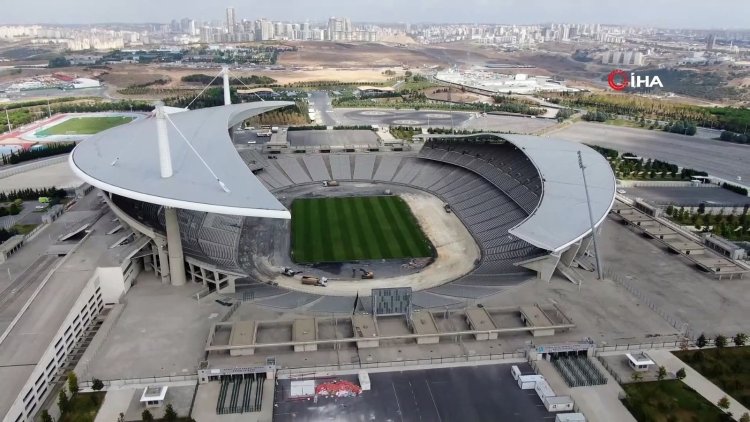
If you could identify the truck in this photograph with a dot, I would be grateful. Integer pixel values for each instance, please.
(314, 281)
(263, 133)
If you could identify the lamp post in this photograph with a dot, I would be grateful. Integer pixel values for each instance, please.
(591, 216)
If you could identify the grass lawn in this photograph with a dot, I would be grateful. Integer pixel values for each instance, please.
(24, 228)
(355, 228)
(84, 407)
(728, 368)
(667, 401)
(85, 125)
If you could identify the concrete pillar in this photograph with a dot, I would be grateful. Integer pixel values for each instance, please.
(570, 254)
(544, 266)
(227, 92)
(176, 257)
(161, 249)
(585, 243)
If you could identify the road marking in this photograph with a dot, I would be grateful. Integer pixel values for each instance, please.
(400, 415)
(437, 412)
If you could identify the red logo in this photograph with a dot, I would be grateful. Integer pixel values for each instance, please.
(613, 80)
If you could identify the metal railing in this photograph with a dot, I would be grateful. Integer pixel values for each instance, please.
(307, 370)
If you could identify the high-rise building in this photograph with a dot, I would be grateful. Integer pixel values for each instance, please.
(231, 21)
(711, 42)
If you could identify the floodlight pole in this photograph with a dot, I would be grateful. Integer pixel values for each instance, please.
(591, 217)
(7, 116)
(227, 92)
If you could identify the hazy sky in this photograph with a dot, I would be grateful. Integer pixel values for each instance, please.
(662, 13)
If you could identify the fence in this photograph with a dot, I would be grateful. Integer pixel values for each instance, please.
(679, 325)
(143, 381)
(310, 370)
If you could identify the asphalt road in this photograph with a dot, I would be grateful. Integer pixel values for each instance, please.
(321, 102)
(688, 196)
(480, 393)
(722, 159)
(403, 117)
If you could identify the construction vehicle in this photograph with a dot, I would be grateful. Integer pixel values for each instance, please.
(314, 281)
(367, 275)
(289, 272)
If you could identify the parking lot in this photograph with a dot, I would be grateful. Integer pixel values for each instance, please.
(477, 393)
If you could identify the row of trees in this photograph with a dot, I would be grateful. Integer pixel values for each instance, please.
(733, 119)
(682, 127)
(6, 234)
(48, 150)
(737, 138)
(733, 226)
(630, 166)
(30, 194)
(235, 80)
(13, 209)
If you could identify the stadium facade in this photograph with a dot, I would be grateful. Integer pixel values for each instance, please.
(522, 198)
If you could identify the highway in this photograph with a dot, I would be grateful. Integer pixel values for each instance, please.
(721, 159)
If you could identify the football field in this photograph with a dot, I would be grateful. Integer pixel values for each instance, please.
(355, 228)
(84, 125)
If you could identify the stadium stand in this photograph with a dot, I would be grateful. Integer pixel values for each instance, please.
(491, 188)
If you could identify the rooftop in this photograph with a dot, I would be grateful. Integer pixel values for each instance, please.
(562, 216)
(125, 161)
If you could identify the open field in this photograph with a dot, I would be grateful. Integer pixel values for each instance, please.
(85, 125)
(355, 228)
(663, 401)
(729, 369)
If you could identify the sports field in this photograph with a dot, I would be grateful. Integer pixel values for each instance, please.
(84, 125)
(355, 228)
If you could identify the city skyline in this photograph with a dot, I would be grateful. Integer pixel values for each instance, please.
(658, 13)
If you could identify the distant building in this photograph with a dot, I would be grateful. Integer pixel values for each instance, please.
(620, 57)
(231, 21)
(711, 42)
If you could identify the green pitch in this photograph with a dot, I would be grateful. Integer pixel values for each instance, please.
(85, 125)
(356, 228)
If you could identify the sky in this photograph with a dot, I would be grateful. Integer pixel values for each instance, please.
(699, 14)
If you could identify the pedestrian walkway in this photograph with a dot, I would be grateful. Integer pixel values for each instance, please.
(696, 381)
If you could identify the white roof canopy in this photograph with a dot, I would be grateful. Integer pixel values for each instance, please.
(125, 161)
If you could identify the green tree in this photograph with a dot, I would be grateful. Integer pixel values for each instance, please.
(723, 403)
(121, 417)
(662, 373)
(740, 339)
(147, 416)
(96, 384)
(702, 208)
(745, 417)
(680, 374)
(62, 401)
(701, 341)
(636, 376)
(73, 383)
(45, 416)
(720, 341)
(169, 413)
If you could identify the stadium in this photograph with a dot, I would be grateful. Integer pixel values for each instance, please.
(465, 216)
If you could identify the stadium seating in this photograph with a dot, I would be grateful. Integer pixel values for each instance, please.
(491, 188)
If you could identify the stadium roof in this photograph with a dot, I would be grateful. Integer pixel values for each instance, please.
(562, 216)
(125, 161)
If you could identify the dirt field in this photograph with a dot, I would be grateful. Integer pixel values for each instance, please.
(356, 55)
(122, 76)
